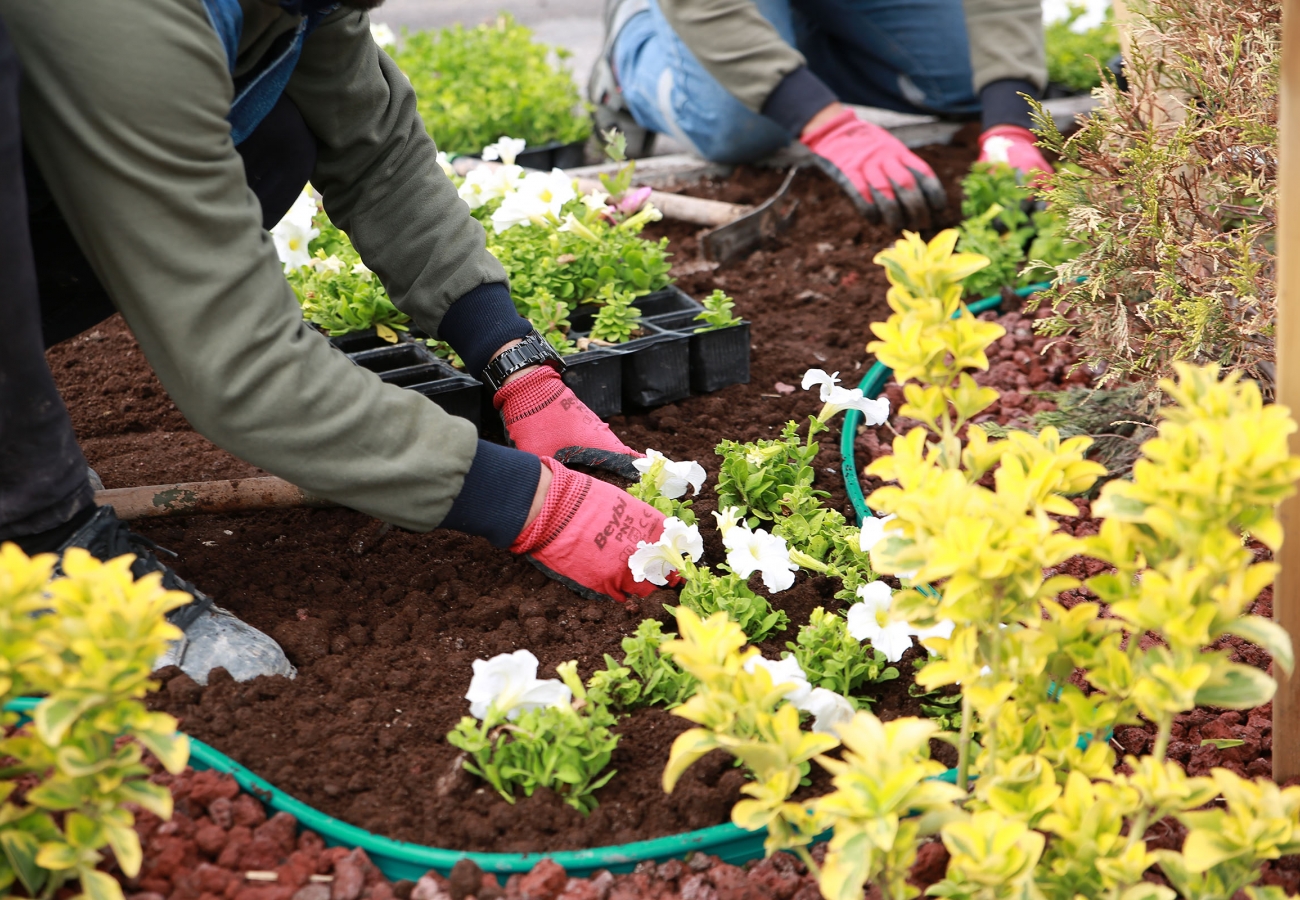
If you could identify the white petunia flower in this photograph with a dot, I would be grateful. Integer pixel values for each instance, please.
(505, 149)
(484, 184)
(330, 265)
(836, 399)
(595, 201)
(294, 232)
(508, 684)
(872, 532)
(362, 269)
(757, 551)
(519, 208)
(444, 163)
(537, 195)
(826, 383)
(382, 34)
(654, 562)
(830, 710)
(784, 671)
(683, 538)
(671, 479)
(870, 621)
(727, 519)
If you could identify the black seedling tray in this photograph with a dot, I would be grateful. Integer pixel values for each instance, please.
(596, 377)
(356, 341)
(670, 300)
(718, 358)
(411, 365)
(391, 358)
(656, 368)
(457, 393)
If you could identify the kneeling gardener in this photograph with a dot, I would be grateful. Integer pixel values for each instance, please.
(163, 137)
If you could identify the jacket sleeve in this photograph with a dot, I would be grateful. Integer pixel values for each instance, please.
(735, 44)
(377, 173)
(124, 106)
(1006, 41)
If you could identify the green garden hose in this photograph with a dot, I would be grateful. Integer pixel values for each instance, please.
(871, 385)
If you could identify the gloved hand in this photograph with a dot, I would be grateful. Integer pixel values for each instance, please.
(585, 533)
(885, 179)
(544, 417)
(1014, 146)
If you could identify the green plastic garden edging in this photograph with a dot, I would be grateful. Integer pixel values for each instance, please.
(871, 385)
(398, 859)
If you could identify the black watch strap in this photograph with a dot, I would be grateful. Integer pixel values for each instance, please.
(533, 350)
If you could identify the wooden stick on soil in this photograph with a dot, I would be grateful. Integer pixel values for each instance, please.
(1286, 591)
(197, 497)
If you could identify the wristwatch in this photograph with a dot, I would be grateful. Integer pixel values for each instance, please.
(533, 350)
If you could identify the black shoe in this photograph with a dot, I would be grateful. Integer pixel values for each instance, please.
(212, 636)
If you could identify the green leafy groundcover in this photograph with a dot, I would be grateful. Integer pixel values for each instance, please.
(1073, 57)
(475, 84)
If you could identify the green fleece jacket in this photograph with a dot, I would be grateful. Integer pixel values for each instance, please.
(124, 106)
(740, 48)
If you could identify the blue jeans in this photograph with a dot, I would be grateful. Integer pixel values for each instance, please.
(904, 55)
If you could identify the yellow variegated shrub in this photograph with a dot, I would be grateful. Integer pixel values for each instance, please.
(87, 642)
(1039, 810)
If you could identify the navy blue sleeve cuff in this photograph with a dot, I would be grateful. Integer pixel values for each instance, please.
(1002, 104)
(497, 493)
(799, 97)
(478, 324)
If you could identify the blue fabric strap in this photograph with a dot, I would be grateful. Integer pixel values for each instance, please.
(263, 86)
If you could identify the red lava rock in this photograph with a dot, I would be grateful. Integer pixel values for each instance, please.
(281, 829)
(930, 866)
(247, 810)
(489, 888)
(145, 895)
(466, 879)
(168, 854)
(213, 879)
(298, 869)
(311, 842)
(223, 813)
(325, 863)
(208, 785)
(545, 882)
(265, 892)
(732, 883)
(381, 891)
(350, 876)
(431, 886)
(211, 839)
(579, 889)
(312, 892)
(260, 854)
(697, 887)
(238, 838)
(632, 887)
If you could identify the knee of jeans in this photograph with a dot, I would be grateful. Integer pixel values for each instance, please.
(945, 95)
(734, 136)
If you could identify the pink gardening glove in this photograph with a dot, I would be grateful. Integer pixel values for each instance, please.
(1014, 146)
(585, 533)
(544, 417)
(885, 179)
